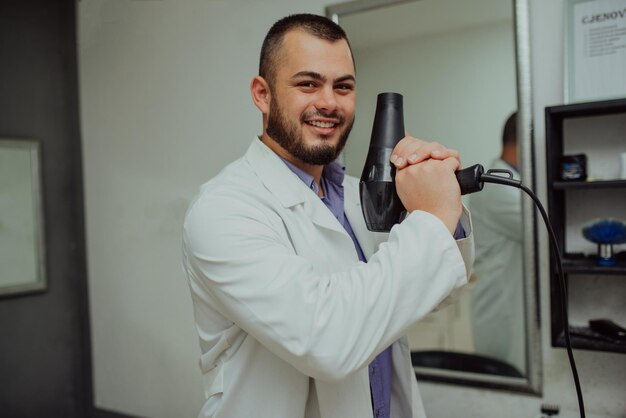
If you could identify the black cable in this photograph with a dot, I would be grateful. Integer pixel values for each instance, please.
(489, 178)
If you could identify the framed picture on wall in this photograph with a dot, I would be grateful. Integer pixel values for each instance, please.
(595, 50)
(22, 260)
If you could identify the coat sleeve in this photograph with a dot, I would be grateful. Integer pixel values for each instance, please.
(325, 325)
(467, 250)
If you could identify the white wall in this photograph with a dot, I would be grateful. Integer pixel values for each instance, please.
(165, 105)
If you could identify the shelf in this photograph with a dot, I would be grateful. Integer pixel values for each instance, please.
(585, 338)
(594, 184)
(581, 264)
(576, 110)
(597, 194)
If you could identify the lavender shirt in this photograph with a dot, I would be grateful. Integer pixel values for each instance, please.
(380, 368)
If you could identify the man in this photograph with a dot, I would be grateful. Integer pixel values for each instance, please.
(292, 321)
(498, 297)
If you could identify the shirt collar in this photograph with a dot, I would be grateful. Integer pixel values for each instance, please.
(334, 172)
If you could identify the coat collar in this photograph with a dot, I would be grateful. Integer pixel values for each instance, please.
(287, 186)
(291, 191)
(275, 175)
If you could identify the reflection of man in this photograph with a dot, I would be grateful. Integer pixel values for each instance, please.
(292, 321)
(497, 302)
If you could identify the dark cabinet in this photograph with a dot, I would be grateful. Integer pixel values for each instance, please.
(598, 130)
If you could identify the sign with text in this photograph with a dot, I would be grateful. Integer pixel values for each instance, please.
(595, 50)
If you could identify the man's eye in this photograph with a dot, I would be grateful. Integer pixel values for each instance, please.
(307, 84)
(347, 87)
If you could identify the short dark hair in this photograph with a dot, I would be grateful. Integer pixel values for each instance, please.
(509, 133)
(318, 26)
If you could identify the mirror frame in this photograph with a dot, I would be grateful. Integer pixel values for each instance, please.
(40, 284)
(532, 383)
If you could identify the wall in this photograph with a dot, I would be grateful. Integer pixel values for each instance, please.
(44, 337)
(165, 105)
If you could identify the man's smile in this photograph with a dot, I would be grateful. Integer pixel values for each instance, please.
(321, 124)
(324, 125)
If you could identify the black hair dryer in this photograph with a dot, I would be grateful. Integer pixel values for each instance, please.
(380, 203)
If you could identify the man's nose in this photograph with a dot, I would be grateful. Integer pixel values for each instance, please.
(326, 99)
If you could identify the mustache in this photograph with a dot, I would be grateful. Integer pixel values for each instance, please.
(317, 114)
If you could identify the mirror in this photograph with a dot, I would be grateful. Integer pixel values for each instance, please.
(463, 69)
(21, 226)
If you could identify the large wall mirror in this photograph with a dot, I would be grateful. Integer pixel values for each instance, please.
(463, 69)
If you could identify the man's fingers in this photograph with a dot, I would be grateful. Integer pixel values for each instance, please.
(453, 163)
(448, 153)
(412, 151)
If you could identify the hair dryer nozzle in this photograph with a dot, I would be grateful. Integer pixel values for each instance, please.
(380, 203)
(388, 126)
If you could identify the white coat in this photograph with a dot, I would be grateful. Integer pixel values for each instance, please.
(288, 317)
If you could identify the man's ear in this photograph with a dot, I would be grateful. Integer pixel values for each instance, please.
(261, 96)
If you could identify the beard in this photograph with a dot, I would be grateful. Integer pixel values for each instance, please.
(287, 134)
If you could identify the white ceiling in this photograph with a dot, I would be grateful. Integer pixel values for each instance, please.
(420, 18)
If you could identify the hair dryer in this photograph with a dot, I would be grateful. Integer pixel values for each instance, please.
(380, 203)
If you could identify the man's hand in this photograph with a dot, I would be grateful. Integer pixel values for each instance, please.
(411, 150)
(425, 179)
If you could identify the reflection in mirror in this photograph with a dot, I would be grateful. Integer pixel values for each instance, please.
(21, 245)
(454, 61)
(497, 295)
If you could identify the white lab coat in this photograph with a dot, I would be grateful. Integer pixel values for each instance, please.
(288, 317)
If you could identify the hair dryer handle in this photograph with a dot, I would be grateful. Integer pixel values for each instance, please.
(470, 179)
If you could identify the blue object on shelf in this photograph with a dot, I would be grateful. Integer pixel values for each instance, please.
(606, 233)
(574, 167)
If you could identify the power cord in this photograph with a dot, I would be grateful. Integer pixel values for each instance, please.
(491, 176)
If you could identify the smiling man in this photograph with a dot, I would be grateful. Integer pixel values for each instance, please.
(300, 310)
(308, 100)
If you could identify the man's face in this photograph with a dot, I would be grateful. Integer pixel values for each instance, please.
(312, 99)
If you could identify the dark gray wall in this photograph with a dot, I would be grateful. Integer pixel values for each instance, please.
(45, 366)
